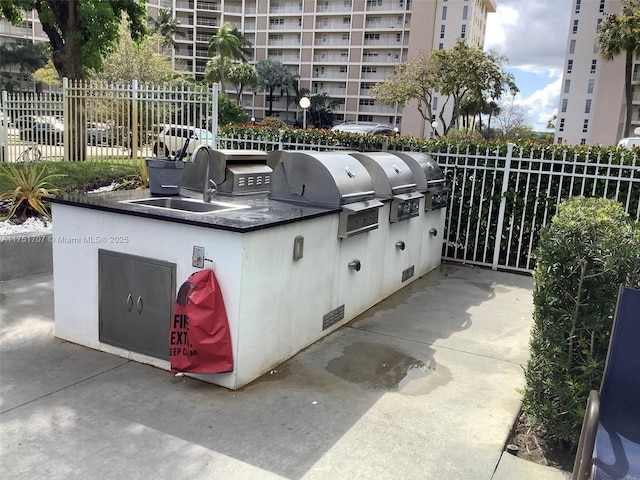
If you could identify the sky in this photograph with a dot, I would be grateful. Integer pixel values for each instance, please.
(532, 34)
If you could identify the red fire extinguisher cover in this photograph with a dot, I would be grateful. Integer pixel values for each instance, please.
(199, 337)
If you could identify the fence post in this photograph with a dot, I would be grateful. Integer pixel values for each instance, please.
(280, 137)
(4, 130)
(66, 151)
(134, 121)
(503, 206)
(214, 113)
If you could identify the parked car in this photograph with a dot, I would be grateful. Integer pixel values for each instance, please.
(629, 142)
(172, 138)
(99, 134)
(42, 129)
(365, 127)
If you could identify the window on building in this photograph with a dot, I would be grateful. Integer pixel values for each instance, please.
(578, 6)
(591, 85)
(583, 141)
(569, 66)
(602, 2)
(575, 27)
(346, 36)
(587, 106)
(369, 70)
(567, 86)
(346, 20)
(372, 36)
(565, 104)
(572, 47)
(441, 46)
(276, 21)
(374, 3)
(365, 118)
(559, 140)
(463, 31)
(441, 31)
(585, 125)
(594, 64)
(465, 12)
(434, 103)
(366, 102)
(444, 13)
(561, 125)
(343, 69)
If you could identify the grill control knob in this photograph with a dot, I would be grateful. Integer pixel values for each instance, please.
(400, 245)
(433, 232)
(355, 265)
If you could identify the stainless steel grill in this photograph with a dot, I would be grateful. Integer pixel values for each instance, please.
(429, 178)
(394, 180)
(330, 179)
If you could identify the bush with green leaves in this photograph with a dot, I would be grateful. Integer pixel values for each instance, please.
(585, 254)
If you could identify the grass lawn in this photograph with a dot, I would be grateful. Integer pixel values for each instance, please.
(81, 176)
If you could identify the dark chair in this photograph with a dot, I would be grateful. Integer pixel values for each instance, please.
(609, 446)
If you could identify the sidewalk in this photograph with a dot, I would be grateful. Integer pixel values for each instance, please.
(422, 386)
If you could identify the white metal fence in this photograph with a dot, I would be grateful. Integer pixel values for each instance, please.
(501, 199)
(96, 120)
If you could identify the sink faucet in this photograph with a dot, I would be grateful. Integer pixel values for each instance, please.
(210, 187)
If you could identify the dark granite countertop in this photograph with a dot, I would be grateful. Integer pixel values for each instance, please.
(262, 213)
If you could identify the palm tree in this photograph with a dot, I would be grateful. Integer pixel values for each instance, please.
(620, 33)
(166, 26)
(246, 47)
(272, 74)
(225, 44)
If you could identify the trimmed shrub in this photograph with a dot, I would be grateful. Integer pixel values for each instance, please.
(589, 249)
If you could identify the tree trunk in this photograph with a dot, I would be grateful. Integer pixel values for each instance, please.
(68, 60)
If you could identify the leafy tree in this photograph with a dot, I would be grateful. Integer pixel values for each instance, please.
(47, 74)
(80, 33)
(619, 33)
(28, 58)
(454, 73)
(412, 81)
(272, 74)
(243, 75)
(230, 112)
(227, 46)
(166, 26)
(135, 61)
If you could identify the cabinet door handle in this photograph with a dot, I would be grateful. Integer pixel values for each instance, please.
(129, 302)
(139, 304)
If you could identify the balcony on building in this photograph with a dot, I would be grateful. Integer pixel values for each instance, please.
(335, 6)
(208, 6)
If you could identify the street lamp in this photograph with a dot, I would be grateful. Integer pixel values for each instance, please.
(304, 104)
(434, 125)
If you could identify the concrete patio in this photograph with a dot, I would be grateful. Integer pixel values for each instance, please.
(422, 386)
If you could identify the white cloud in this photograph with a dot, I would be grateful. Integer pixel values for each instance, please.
(532, 35)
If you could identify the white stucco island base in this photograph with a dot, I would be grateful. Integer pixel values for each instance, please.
(276, 303)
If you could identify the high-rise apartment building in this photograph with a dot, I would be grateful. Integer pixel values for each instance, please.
(592, 102)
(338, 47)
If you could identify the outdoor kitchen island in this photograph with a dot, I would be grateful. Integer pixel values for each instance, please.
(286, 276)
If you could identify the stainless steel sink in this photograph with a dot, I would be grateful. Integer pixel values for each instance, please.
(185, 204)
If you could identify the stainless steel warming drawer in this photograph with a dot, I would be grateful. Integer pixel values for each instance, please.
(331, 179)
(392, 180)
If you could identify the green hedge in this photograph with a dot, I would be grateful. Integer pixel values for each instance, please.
(589, 249)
